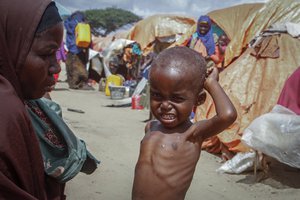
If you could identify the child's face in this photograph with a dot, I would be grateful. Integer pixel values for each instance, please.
(36, 75)
(222, 43)
(172, 97)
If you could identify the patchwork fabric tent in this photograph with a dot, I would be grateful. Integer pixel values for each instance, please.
(158, 30)
(253, 83)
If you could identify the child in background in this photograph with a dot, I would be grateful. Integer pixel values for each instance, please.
(171, 146)
(218, 56)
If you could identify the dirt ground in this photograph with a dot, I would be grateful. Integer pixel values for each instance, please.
(113, 136)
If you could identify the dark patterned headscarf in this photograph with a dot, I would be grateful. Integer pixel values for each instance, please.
(50, 18)
(19, 21)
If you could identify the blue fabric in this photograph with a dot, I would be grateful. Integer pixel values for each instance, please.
(146, 71)
(136, 49)
(192, 115)
(208, 38)
(70, 25)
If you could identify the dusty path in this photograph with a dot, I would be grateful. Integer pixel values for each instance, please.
(114, 134)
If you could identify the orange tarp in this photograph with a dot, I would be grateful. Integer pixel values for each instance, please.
(242, 23)
(253, 84)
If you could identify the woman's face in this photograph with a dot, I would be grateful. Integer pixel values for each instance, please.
(203, 28)
(36, 75)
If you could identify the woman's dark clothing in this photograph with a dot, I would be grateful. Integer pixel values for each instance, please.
(21, 166)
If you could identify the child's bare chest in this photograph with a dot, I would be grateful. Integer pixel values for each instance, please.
(170, 156)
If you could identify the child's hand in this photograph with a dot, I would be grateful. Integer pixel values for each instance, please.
(212, 75)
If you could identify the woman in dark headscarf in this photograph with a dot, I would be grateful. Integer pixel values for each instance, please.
(30, 33)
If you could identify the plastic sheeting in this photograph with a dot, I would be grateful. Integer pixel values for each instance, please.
(241, 162)
(242, 23)
(276, 134)
(232, 21)
(157, 26)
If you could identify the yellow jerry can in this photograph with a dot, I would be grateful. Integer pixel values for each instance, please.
(83, 35)
(112, 80)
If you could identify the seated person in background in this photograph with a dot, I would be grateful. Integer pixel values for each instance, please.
(202, 40)
(171, 146)
(126, 62)
(131, 58)
(218, 56)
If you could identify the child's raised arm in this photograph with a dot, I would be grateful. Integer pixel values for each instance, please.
(225, 111)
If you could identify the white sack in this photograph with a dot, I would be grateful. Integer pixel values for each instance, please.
(276, 134)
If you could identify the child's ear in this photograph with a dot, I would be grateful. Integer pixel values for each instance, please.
(201, 98)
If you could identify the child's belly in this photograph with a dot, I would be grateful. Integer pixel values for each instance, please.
(165, 168)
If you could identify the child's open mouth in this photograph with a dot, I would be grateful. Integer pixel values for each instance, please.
(168, 117)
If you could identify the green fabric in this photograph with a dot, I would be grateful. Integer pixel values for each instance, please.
(61, 163)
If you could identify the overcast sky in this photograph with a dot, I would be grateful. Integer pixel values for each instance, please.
(144, 8)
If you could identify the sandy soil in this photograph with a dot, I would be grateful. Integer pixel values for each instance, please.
(113, 136)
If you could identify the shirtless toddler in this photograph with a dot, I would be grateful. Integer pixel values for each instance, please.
(171, 147)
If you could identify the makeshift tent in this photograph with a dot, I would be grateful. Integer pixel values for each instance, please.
(113, 54)
(235, 22)
(232, 21)
(253, 83)
(159, 31)
(101, 43)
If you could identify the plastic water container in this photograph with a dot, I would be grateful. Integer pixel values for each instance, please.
(112, 80)
(117, 92)
(135, 102)
(83, 35)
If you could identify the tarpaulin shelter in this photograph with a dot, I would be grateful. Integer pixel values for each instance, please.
(253, 83)
(101, 43)
(162, 28)
(232, 21)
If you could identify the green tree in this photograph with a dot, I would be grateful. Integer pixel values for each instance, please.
(109, 19)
